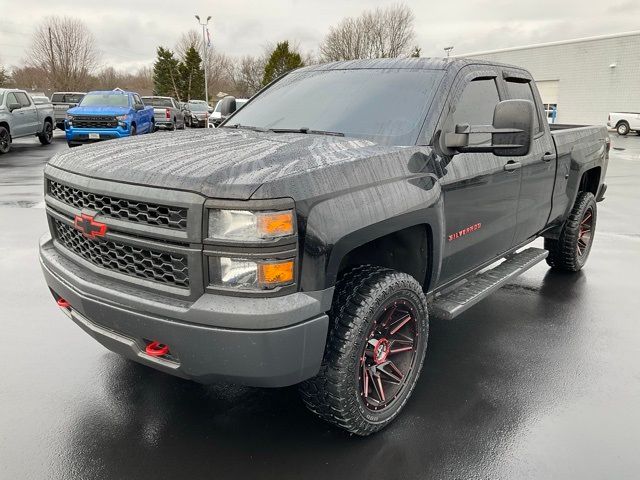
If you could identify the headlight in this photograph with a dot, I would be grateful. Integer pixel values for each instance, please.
(70, 117)
(248, 274)
(121, 118)
(243, 225)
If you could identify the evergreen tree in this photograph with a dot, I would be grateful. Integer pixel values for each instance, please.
(416, 52)
(4, 77)
(166, 74)
(280, 62)
(192, 75)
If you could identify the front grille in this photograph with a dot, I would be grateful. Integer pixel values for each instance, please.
(120, 208)
(145, 263)
(100, 121)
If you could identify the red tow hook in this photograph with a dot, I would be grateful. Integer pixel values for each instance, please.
(62, 303)
(156, 349)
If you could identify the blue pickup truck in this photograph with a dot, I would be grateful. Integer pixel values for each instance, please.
(103, 115)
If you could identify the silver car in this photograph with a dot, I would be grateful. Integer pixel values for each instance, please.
(166, 112)
(63, 101)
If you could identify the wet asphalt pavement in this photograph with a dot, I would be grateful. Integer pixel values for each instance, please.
(540, 380)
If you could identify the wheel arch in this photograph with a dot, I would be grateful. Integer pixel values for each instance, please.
(6, 125)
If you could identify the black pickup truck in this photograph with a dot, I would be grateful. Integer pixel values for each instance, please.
(308, 239)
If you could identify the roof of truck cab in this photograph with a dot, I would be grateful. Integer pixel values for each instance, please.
(425, 63)
(112, 92)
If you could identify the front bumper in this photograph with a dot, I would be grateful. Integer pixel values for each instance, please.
(278, 342)
(80, 136)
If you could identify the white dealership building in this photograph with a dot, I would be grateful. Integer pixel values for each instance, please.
(585, 78)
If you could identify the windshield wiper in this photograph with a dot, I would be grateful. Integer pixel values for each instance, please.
(245, 127)
(306, 130)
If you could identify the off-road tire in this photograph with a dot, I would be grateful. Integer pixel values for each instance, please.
(46, 137)
(5, 140)
(360, 296)
(622, 128)
(563, 252)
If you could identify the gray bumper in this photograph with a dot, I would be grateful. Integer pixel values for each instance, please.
(277, 342)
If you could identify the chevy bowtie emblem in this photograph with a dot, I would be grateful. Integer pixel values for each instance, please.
(89, 227)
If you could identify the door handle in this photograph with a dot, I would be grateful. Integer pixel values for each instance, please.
(511, 166)
(547, 157)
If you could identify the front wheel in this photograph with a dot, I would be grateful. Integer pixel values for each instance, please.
(571, 250)
(46, 136)
(374, 352)
(5, 140)
(622, 128)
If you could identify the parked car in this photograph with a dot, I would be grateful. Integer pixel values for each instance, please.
(166, 112)
(624, 122)
(310, 237)
(62, 102)
(104, 115)
(226, 105)
(40, 99)
(196, 114)
(202, 102)
(20, 116)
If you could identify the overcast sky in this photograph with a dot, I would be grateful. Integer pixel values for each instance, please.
(128, 31)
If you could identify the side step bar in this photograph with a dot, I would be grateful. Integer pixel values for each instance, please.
(452, 304)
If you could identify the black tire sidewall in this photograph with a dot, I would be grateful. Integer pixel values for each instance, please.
(3, 130)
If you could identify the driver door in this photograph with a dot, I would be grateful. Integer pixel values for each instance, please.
(480, 195)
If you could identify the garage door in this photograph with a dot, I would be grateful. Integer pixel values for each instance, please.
(549, 90)
(549, 93)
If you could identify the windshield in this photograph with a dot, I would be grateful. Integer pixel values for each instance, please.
(384, 105)
(105, 100)
(157, 102)
(198, 107)
(67, 97)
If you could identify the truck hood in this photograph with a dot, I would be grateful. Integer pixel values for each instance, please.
(220, 163)
(94, 110)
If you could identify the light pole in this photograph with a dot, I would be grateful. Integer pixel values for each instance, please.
(204, 57)
(448, 50)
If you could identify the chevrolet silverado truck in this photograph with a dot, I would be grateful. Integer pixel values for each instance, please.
(105, 115)
(62, 102)
(21, 117)
(166, 112)
(310, 237)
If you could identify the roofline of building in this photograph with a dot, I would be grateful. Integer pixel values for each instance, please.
(550, 44)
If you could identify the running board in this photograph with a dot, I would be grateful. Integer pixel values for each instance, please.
(452, 304)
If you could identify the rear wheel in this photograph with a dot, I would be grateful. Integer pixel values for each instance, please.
(622, 128)
(5, 140)
(46, 136)
(374, 353)
(571, 250)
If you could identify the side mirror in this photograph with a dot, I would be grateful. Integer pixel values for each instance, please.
(14, 106)
(137, 106)
(227, 106)
(511, 132)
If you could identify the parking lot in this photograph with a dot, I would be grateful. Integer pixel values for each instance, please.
(541, 380)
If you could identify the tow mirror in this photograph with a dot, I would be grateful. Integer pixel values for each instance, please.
(227, 106)
(511, 132)
(14, 106)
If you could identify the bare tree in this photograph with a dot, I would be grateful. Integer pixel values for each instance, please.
(379, 33)
(30, 78)
(247, 75)
(65, 48)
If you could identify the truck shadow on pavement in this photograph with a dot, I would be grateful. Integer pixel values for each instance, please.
(487, 374)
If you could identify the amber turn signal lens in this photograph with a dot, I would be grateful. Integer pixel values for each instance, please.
(276, 224)
(275, 274)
